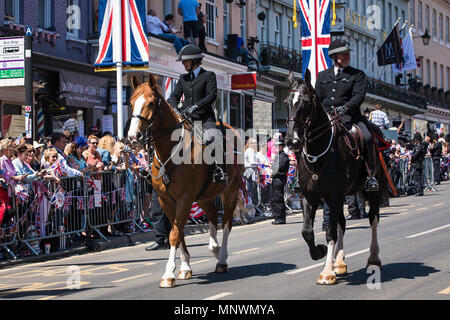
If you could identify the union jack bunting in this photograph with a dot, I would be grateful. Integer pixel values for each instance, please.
(80, 203)
(129, 26)
(105, 198)
(67, 202)
(315, 27)
(265, 172)
(113, 200)
(91, 202)
(122, 194)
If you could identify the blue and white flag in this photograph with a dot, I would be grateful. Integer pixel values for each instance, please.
(123, 20)
(315, 26)
(409, 58)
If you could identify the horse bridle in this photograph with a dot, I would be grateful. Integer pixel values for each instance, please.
(147, 136)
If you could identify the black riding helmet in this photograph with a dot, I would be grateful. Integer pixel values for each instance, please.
(190, 52)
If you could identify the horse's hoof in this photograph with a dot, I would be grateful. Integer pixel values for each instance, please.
(167, 283)
(221, 268)
(318, 252)
(185, 275)
(326, 279)
(373, 263)
(340, 269)
(215, 251)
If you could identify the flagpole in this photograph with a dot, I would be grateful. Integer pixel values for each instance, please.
(118, 39)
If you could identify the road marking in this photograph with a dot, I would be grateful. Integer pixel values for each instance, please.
(247, 250)
(131, 278)
(149, 263)
(200, 261)
(439, 204)
(322, 263)
(47, 298)
(218, 296)
(421, 209)
(445, 291)
(285, 241)
(353, 225)
(401, 214)
(425, 232)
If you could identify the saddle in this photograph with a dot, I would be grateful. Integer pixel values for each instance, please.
(354, 139)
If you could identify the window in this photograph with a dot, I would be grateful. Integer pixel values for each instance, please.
(396, 14)
(211, 19)
(226, 19)
(441, 33)
(435, 74)
(403, 16)
(12, 11)
(263, 28)
(243, 22)
(427, 17)
(447, 30)
(442, 76)
(73, 18)
(419, 15)
(277, 29)
(289, 33)
(412, 18)
(433, 23)
(45, 14)
(390, 15)
(167, 7)
(428, 71)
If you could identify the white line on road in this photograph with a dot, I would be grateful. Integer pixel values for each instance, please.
(245, 251)
(425, 232)
(445, 291)
(421, 209)
(131, 278)
(218, 296)
(284, 241)
(47, 298)
(200, 261)
(438, 205)
(322, 263)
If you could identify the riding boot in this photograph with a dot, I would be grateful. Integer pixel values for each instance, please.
(219, 175)
(371, 183)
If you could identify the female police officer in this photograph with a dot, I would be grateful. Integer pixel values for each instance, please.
(342, 88)
(200, 92)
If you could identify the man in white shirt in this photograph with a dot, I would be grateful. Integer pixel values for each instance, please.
(379, 117)
(155, 26)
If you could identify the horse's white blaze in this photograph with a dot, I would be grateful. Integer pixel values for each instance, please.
(223, 254)
(171, 264)
(138, 105)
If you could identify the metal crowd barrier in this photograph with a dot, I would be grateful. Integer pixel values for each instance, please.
(51, 212)
(111, 199)
(143, 202)
(428, 174)
(8, 228)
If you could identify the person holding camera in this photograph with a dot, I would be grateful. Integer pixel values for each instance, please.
(417, 158)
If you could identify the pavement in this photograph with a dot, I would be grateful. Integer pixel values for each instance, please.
(266, 262)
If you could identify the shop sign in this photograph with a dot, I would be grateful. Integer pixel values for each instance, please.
(82, 90)
(244, 81)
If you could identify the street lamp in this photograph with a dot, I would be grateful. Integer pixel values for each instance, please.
(425, 37)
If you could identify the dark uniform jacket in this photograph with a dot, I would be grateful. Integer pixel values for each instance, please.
(436, 151)
(202, 92)
(349, 88)
(418, 155)
(280, 166)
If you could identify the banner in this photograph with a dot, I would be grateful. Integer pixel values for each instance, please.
(409, 58)
(391, 50)
(315, 27)
(122, 21)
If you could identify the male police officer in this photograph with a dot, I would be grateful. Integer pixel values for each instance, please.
(200, 92)
(342, 88)
(280, 168)
(417, 158)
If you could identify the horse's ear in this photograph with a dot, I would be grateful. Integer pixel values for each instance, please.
(135, 82)
(151, 81)
(308, 76)
(291, 79)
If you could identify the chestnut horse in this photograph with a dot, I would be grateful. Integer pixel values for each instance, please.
(155, 119)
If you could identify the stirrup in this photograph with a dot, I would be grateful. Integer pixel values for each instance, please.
(371, 184)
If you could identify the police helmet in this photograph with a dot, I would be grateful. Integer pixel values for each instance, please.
(338, 46)
(417, 137)
(190, 52)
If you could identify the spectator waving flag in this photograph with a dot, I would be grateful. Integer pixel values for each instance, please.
(315, 27)
(58, 169)
(123, 20)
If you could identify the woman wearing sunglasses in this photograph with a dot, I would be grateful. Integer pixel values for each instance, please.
(92, 156)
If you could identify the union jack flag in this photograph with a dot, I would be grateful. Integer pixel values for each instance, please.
(196, 211)
(142, 162)
(80, 203)
(58, 169)
(22, 195)
(122, 194)
(113, 197)
(291, 174)
(265, 172)
(91, 202)
(105, 198)
(125, 20)
(67, 202)
(315, 26)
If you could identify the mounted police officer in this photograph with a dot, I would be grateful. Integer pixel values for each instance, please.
(417, 157)
(200, 92)
(342, 88)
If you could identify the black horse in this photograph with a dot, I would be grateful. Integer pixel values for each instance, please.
(329, 169)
